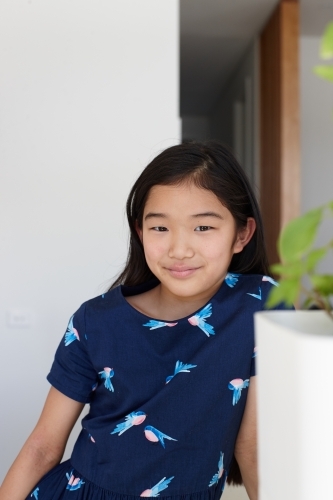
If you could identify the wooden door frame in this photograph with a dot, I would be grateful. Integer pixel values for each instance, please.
(279, 121)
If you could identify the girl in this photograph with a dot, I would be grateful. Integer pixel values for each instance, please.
(165, 358)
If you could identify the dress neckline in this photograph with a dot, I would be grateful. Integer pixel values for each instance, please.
(128, 291)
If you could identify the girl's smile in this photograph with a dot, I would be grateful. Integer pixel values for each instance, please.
(189, 239)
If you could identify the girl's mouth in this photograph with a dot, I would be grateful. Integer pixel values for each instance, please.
(182, 272)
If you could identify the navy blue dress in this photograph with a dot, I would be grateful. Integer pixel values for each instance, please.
(166, 397)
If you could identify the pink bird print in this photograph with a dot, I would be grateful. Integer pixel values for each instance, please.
(90, 436)
(155, 436)
(236, 385)
(199, 320)
(74, 483)
(107, 374)
(155, 490)
(268, 278)
(134, 418)
(255, 352)
(71, 333)
(215, 479)
(153, 324)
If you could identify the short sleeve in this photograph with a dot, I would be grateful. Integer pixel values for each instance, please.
(72, 372)
(267, 283)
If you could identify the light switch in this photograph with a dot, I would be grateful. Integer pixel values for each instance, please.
(19, 318)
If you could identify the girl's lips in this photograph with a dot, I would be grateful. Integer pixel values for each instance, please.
(182, 272)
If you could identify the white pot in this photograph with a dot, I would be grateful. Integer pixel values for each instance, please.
(295, 405)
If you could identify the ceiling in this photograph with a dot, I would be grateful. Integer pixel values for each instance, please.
(214, 36)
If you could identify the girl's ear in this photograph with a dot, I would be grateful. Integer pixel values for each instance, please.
(138, 230)
(244, 235)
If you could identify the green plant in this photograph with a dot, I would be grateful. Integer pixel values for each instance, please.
(299, 257)
(326, 53)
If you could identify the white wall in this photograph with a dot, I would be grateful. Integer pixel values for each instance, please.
(89, 93)
(316, 137)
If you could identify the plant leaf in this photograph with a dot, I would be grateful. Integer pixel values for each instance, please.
(289, 270)
(326, 47)
(287, 293)
(325, 72)
(298, 236)
(314, 257)
(323, 284)
(330, 205)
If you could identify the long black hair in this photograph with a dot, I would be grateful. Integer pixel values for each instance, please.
(209, 165)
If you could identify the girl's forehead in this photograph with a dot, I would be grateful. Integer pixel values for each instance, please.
(185, 196)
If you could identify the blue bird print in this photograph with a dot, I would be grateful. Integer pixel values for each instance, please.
(153, 324)
(236, 385)
(231, 279)
(155, 490)
(255, 295)
(155, 436)
(255, 352)
(107, 374)
(199, 320)
(224, 480)
(35, 493)
(180, 367)
(71, 333)
(268, 278)
(134, 418)
(74, 483)
(215, 479)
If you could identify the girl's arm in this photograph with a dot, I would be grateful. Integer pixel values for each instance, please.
(44, 448)
(246, 444)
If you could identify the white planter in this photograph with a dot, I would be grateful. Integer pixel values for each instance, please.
(295, 404)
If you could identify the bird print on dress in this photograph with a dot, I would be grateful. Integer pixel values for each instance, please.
(74, 483)
(35, 493)
(153, 324)
(107, 374)
(236, 385)
(94, 386)
(134, 418)
(199, 320)
(268, 278)
(255, 352)
(215, 479)
(224, 480)
(180, 368)
(231, 279)
(256, 295)
(71, 333)
(155, 436)
(155, 490)
(89, 436)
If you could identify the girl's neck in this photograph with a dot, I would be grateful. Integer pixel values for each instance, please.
(159, 304)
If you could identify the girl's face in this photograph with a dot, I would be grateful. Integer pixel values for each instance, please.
(189, 238)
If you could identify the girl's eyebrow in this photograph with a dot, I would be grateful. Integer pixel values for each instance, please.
(151, 215)
(208, 214)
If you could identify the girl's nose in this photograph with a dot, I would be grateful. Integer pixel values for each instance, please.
(181, 247)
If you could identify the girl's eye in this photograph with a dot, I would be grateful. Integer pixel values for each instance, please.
(202, 228)
(159, 228)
